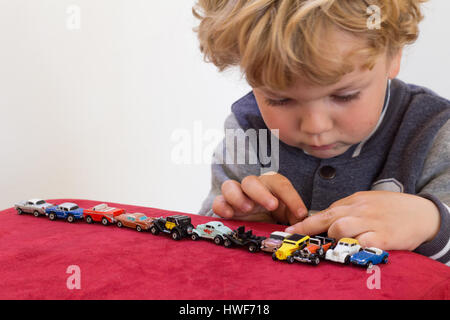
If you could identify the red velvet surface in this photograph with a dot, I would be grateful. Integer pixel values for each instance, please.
(125, 264)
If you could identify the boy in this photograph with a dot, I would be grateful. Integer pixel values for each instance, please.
(368, 151)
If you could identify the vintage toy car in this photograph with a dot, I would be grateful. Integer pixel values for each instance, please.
(212, 230)
(290, 245)
(369, 256)
(344, 249)
(35, 206)
(274, 241)
(241, 237)
(69, 211)
(138, 221)
(314, 250)
(179, 226)
(102, 213)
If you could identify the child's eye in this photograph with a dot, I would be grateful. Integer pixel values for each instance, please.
(281, 102)
(346, 98)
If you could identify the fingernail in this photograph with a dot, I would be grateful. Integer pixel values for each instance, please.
(246, 207)
(271, 204)
(301, 212)
(289, 230)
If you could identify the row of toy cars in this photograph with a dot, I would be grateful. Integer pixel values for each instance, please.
(282, 245)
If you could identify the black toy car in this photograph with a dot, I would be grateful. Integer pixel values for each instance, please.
(178, 226)
(242, 238)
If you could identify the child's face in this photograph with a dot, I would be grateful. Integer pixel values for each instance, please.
(326, 121)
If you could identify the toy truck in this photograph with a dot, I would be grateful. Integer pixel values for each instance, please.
(178, 226)
(241, 237)
(314, 250)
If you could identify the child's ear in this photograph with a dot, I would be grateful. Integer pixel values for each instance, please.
(394, 64)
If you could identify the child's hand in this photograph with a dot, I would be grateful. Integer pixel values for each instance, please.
(382, 219)
(271, 194)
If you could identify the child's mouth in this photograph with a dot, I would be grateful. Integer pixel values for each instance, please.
(322, 148)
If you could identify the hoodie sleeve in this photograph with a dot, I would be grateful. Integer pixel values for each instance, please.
(226, 164)
(434, 184)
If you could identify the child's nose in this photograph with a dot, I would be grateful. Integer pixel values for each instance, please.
(315, 122)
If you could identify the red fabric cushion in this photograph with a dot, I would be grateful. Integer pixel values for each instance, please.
(124, 264)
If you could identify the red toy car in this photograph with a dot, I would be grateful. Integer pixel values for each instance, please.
(102, 213)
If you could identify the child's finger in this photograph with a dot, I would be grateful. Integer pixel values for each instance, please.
(222, 208)
(372, 239)
(283, 189)
(320, 222)
(234, 196)
(258, 192)
(348, 227)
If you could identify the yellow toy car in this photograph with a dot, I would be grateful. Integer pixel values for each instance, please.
(290, 245)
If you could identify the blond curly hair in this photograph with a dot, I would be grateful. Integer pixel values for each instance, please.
(275, 41)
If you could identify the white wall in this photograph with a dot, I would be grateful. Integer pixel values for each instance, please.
(90, 112)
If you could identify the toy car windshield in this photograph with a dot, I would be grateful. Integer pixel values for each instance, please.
(276, 237)
(73, 208)
(143, 218)
(370, 251)
(40, 202)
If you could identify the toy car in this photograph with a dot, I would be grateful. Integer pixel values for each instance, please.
(69, 211)
(178, 226)
(212, 230)
(102, 213)
(138, 221)
(241, 237)
(274, 241)
(369, 256)
(344, 249)
(289, 246)
(35, 206)
(314, 250)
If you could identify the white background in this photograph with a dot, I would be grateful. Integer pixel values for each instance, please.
(90, 113)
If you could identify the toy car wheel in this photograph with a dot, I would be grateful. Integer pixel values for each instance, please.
(89, 219)
(138, 228)
(175, 235)
(105, 221)
(194, 236)
(320, 252)
(119, 224)
(385, 260)
(218, 240)
(70, 218)
(315, 261)
(19, 211)
(369, 264)
(36, 213)
(347, 259)
(227, 243)
(52, 216)
(154, 230)
(274, 257)
(290, 259)
(252, 248)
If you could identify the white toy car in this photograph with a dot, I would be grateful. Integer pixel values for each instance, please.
(345, 248)
(35, 206)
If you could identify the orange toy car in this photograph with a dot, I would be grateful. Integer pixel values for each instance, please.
(138, 221)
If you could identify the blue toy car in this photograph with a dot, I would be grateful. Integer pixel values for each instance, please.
(69, 211)
(369, 256)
